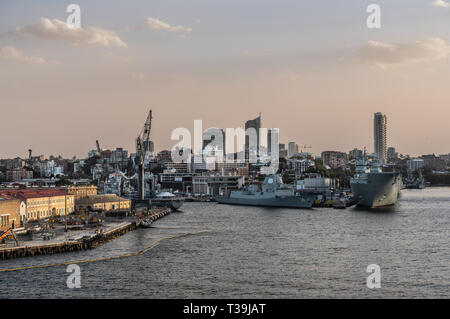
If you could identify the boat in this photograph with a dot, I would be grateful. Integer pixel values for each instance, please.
(273, 193)
(372, 187)
(414, 183)
(167, 199)
(339, 204)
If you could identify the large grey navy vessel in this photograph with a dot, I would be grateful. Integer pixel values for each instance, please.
(272, 194)
(371, 187)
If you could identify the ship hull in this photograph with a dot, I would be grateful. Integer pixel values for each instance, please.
(173, 204)
(378, 190)
(287, 202)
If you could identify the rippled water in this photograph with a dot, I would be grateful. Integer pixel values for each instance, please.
(253, 252)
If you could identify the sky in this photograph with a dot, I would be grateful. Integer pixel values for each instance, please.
(312, 68)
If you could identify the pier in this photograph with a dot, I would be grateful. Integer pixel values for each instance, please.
(77, 242)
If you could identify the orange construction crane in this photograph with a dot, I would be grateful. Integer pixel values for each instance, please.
(7, 233)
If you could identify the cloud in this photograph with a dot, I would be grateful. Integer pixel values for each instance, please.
(55, 29)
(441, 3)
(14, 54)
(385, 55)
(158, 25)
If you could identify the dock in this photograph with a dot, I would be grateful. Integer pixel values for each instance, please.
(77, 242)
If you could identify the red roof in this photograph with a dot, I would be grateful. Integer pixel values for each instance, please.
(32, 193)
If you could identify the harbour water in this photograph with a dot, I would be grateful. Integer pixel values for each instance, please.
(255, 252)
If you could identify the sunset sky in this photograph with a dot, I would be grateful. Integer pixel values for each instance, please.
(312, 68)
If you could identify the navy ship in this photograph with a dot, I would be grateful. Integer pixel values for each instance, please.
(371, 187)
(273, 193)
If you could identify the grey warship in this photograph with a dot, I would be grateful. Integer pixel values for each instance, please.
(371, 187)
(273, 193)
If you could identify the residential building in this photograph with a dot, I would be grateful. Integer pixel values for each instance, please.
(433, 162)
(446, 158)
(250, 148)
(355, 153)
(391, 154)
(292, 149)
(299, 166)
(380, 136)
(283, 151)
(51, 169)
(334, 159)
(415, 164)
(17, 174)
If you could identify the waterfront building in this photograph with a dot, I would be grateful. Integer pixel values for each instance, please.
(180, 181)
(214, 185)
(317, 185)
(380, 136)
(105, 202)
(43, 203)
(10, 213)
(415, 164)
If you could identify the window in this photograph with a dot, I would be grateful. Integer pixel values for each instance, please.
(4, 221)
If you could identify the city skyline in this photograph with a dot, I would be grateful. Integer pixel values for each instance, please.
(312, 69)
(383, 146)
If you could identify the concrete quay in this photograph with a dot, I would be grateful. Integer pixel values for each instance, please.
(78, 240)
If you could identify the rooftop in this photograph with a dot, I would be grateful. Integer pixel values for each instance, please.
(31, 193)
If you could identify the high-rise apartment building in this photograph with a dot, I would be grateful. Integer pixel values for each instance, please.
(292, 149)
(379, 134)
(249, 144)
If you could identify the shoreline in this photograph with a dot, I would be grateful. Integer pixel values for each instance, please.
(62, 246)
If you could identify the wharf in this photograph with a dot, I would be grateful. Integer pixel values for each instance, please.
(80, 240)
